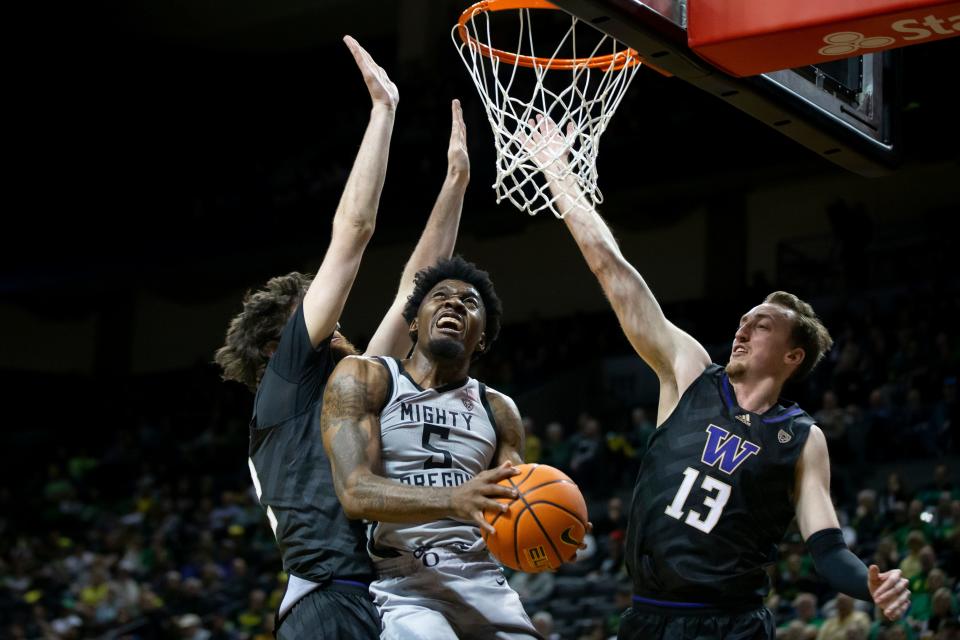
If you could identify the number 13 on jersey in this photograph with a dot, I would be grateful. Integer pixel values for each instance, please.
(720, 493)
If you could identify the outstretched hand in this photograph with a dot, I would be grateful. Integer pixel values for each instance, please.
(547, 145)
(458, 160)
(889, 591)
(382, 90)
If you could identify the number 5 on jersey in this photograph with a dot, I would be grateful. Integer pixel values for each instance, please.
(715, 502)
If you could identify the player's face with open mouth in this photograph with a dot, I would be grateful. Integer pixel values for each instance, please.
(762, 340)
(453, 315)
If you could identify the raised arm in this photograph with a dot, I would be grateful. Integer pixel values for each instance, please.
(356, 214)
(436, 241)
(820, 528)
(509, 428)
(673, 354)
(350, 423)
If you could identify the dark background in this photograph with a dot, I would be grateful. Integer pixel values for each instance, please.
(165, 156)
(158, 139)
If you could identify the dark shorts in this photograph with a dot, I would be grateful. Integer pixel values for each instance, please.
(643, 623)
(329, 614)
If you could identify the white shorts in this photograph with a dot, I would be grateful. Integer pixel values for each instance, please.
(444, 594)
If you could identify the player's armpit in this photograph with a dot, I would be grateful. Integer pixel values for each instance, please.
(509, 427)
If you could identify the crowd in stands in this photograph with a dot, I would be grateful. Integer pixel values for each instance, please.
(142, 522)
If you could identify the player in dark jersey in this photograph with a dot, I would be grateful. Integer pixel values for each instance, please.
(730, 465)
(285, 344)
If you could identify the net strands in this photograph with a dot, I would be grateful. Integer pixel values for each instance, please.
(584, 91)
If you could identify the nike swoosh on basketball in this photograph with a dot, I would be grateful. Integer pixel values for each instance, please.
(567, 538)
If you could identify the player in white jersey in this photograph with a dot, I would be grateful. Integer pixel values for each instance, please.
(420, 445)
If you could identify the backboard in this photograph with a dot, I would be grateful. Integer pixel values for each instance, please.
(843, 110)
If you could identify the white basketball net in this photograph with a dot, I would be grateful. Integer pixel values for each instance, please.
(584, 96)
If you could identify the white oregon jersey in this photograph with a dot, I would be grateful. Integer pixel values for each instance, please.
(439, 437)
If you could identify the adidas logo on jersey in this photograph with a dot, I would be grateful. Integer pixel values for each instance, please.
(744, 418)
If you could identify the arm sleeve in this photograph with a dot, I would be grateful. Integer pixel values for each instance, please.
(842, 570)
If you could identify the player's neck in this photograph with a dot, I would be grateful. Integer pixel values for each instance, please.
(428, 371)
(756, 395)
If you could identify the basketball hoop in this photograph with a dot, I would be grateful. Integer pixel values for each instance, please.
(520, 87)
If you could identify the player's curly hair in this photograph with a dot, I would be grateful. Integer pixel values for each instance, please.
(265, 313)
(809, 333)
(456, 268)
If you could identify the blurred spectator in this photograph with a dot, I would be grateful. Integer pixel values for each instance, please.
(910, 566)
(834, 421)
(944, 607)
(531, 445)
(587, 454)
(613, 519)
(533, 588)
(642, 429)
(867, 521)
(929, 494)
(945, 417)
(543, 622)
(556, 450)
(845, 619)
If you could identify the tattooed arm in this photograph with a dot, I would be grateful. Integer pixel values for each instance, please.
(509, 428)
(350, 423)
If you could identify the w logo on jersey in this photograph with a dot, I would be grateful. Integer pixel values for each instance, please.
(728, 450)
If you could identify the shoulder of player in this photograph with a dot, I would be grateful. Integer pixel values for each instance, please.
(815, 454)
(816, 443)
(501, 405)
(363, 371)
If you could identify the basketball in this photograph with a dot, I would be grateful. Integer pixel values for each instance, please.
(544, 526)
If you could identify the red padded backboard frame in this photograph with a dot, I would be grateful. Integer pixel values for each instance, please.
(749, 37)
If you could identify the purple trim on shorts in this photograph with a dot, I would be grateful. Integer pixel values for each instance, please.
(352, 583)
(671, 604)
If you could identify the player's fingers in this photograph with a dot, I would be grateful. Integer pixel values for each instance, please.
(894, 596)
(482, 523)
(504, 471)
(891, 587)
(534, 134)
(494, 506)
(903, 609)
(893, 611)
(454, 125)
(498, 491)
(356, 51)
(364, 59)
(889, 582)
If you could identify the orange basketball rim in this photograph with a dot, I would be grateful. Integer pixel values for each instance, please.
(610, 62)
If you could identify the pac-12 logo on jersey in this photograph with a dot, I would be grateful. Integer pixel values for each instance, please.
(467, 398)
(725, 450)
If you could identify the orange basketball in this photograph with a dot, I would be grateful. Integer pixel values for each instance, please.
(544, 526)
